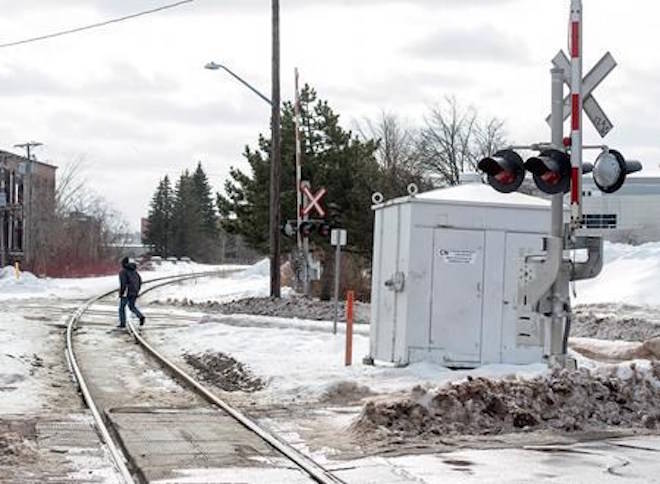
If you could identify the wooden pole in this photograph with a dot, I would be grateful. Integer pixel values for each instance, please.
(275, 159)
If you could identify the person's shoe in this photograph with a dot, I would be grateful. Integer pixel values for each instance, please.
(120, 326)
(142, 319)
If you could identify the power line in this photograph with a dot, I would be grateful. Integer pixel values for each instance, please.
(96, 25)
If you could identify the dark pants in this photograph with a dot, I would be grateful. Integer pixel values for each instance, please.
(123, 301)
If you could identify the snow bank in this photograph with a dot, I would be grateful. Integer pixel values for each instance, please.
(244, 283)
(623, 396)
(26, 283)
(631, 275)
(260, 269)
(28, 286)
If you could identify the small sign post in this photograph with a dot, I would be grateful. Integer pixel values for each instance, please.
(338, 238)
(350, 299)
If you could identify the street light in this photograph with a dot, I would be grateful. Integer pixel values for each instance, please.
(276, 153)
(212, 66)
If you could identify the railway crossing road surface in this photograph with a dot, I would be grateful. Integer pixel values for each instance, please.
(159, 430)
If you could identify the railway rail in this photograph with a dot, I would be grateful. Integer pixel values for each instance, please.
(312, 469)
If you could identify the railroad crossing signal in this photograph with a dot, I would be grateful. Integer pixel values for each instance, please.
(307, 228)
(551, 171)
(313, 201)
(506, 171)
(590, 82)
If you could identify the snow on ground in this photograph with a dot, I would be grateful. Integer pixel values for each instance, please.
(28, 286)
(631, 275)
(313, 362)
(31, 370)
(303, 360)
(249, 282)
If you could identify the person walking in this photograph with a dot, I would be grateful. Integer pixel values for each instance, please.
(129, 290)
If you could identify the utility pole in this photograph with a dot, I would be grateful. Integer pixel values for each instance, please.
(27, 198)
(275, 158)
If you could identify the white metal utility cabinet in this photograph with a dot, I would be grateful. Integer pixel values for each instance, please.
(446, 271)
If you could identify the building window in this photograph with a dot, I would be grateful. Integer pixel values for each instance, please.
(600, 221)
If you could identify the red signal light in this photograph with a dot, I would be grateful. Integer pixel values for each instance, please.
(505, 170)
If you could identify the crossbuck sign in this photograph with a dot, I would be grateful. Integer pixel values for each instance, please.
(595, 76)
(313, 201)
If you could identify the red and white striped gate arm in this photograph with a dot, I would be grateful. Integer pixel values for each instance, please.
(575, 49)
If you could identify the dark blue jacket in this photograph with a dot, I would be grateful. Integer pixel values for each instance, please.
(129, 280)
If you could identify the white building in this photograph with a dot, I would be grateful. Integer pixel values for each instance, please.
(632, 214)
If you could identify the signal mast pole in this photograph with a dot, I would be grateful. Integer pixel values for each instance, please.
(575, 49)
(298, 163)
(303, 245)
(559, 288)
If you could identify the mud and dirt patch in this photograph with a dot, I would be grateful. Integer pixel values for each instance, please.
(346, 392)
(17, 442)
(564, 401)
(225, 372)
(616, 322)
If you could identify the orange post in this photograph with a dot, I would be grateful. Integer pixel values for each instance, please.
(350, 296)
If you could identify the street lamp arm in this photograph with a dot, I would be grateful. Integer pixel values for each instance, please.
(214, 66)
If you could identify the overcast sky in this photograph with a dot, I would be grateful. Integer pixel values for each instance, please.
(133, 100)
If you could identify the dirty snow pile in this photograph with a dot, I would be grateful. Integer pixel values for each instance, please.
(609, 397)
(224, 371)
(299, 307)
(13, 446)
(616, 321)
(346, 392)
(612, 351)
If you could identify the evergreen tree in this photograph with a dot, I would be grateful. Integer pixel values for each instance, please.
(204, 198)
(207, 246)
(332, 158)
(183, 221)
(159, 232)
(187, 219)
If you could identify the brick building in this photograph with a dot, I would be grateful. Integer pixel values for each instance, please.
(27, 206)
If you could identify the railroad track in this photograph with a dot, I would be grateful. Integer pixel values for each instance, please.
(111, 426)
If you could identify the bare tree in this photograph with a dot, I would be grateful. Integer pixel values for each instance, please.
(453, 139)
(83, 230)
(489, 138)
(396, 153)
(71, 187)
(396, 142)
